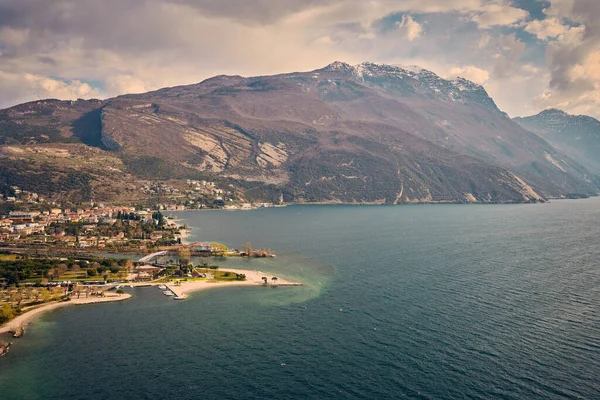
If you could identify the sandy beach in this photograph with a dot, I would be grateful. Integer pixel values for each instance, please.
(253, 278)
(30, 315)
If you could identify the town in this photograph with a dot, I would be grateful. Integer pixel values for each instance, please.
(32, 221)
(117, 228)
(171, 196)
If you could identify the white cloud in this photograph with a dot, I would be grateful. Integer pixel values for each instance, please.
(498, 14)
(124, 84)
(546, 29)
(27, 87)
(412, 27)
(470, 72)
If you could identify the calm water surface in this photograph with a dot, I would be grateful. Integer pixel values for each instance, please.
(425, 302)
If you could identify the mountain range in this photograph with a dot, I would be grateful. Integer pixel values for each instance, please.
(575, 135)
(368, 133)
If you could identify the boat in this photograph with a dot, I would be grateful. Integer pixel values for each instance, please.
(131, 286)
(180, 297)
(162, 287)
(168, 293)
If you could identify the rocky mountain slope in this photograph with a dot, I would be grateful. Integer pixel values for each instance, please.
(365, 133)
(576, 135)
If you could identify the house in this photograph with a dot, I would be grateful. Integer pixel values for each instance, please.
(201, 247)
(22, 217)
(143, 276)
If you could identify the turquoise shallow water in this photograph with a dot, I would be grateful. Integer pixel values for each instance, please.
(426, 302)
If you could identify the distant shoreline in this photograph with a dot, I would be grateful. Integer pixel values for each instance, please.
(375, 203)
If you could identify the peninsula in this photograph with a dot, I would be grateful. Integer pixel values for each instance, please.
(36, 276)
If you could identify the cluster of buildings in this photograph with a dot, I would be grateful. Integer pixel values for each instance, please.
(18, 225)
(153, 188)
(22, 196)
(247, 206)
(195, 194)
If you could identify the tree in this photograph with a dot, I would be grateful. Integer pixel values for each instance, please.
(247, 247)
(274, 279)
(6, 312)
(128, 265)
(218, 249)
(184, 256)
(46, 295)
(265, 279)
(61, 269)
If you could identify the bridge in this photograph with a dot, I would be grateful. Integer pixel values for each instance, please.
(155, 256)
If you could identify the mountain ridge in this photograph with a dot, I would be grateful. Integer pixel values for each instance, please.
(369, 133)
(576, 135)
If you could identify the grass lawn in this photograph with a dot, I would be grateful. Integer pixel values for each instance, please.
(225, 276)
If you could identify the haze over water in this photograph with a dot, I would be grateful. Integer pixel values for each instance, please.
(425, 301)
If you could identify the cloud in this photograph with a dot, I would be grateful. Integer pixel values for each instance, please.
(498, 14)
(509, 50)
(546, 29)
(28, 87)
(573, 59)
(412, 27)
(139, 45)
(470, 72)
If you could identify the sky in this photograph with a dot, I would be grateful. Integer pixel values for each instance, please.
(529, 54)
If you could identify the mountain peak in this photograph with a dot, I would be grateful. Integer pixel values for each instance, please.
(415, 69)
(554, 111)
(374, 69)
(412, 80)
(338, 66)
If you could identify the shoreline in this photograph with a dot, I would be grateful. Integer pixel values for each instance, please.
(253, 278)
(408, 203)
(183, 233)
(27, 317)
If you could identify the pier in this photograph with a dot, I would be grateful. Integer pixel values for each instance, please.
(178, 290)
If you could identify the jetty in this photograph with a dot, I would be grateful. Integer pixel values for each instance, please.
(18, 332)
(179, 294)
(4, 348)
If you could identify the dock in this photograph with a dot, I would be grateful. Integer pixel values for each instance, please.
(178, 290)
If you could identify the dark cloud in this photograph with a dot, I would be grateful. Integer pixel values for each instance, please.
(574, 59)
(252, 11)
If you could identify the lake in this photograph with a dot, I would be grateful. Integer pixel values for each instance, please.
(416, 301)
